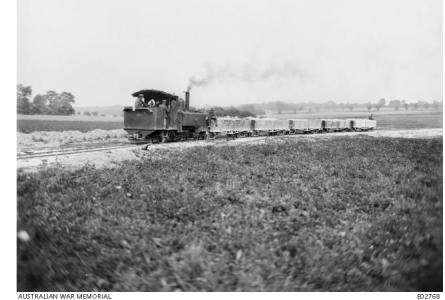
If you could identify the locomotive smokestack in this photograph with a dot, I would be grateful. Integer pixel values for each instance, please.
(187, 99)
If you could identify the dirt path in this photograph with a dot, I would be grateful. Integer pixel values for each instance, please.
(110, 157)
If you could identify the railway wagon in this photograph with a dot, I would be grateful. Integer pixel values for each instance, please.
(298, 125)
(305, 125)
(270, 126)
(314, 125)
(334, 125)
(231, 126)
(356, 124)
(370, 124)
(361, 124)
(343, 125)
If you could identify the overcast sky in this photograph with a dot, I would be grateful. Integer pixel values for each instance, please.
(237, 51)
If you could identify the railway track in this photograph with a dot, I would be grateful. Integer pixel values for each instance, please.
(72, 150)
(69, 150)
(108, 154)
(61, 151)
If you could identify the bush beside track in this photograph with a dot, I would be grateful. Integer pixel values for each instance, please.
(362, 214)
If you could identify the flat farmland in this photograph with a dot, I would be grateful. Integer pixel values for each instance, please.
(386, 120)
(31, 123)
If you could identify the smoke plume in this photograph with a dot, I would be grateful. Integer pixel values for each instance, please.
(247, 73)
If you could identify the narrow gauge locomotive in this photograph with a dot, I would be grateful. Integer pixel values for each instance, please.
(177, 122)
(159, 125)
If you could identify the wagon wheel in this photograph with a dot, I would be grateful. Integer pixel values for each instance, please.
(171, 136)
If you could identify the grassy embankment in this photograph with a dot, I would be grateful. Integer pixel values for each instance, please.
(344, 214)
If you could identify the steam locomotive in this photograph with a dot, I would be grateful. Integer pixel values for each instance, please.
(176, 122)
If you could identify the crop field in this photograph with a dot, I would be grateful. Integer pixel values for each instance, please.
(31, 123)
(344, 214)
(386, 120)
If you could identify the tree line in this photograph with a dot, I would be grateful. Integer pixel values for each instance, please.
(230, 111)
(50, 103)
(284, 107)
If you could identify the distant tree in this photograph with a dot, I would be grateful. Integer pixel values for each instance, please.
(350, 106)
(51, 97)
(405, 104)
(416, 106)
(115, 116)
(39, 105)
(279, 105)
(342, 106)
(230, 111)
(66, 103)
(330, 105)
(87, 113)
(382, 102)
(436, 104)
(426, 105)
(395, 103)
(254, 109)
(23, 103)
(316, 107)
(95, 113)
(369, 106)
(103, 115)
(60, 104)
(297, 108)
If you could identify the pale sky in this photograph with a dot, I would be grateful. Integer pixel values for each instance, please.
(246, 51)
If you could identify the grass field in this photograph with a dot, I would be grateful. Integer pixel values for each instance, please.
(386, 120)
(31, 123)
(345, 214)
